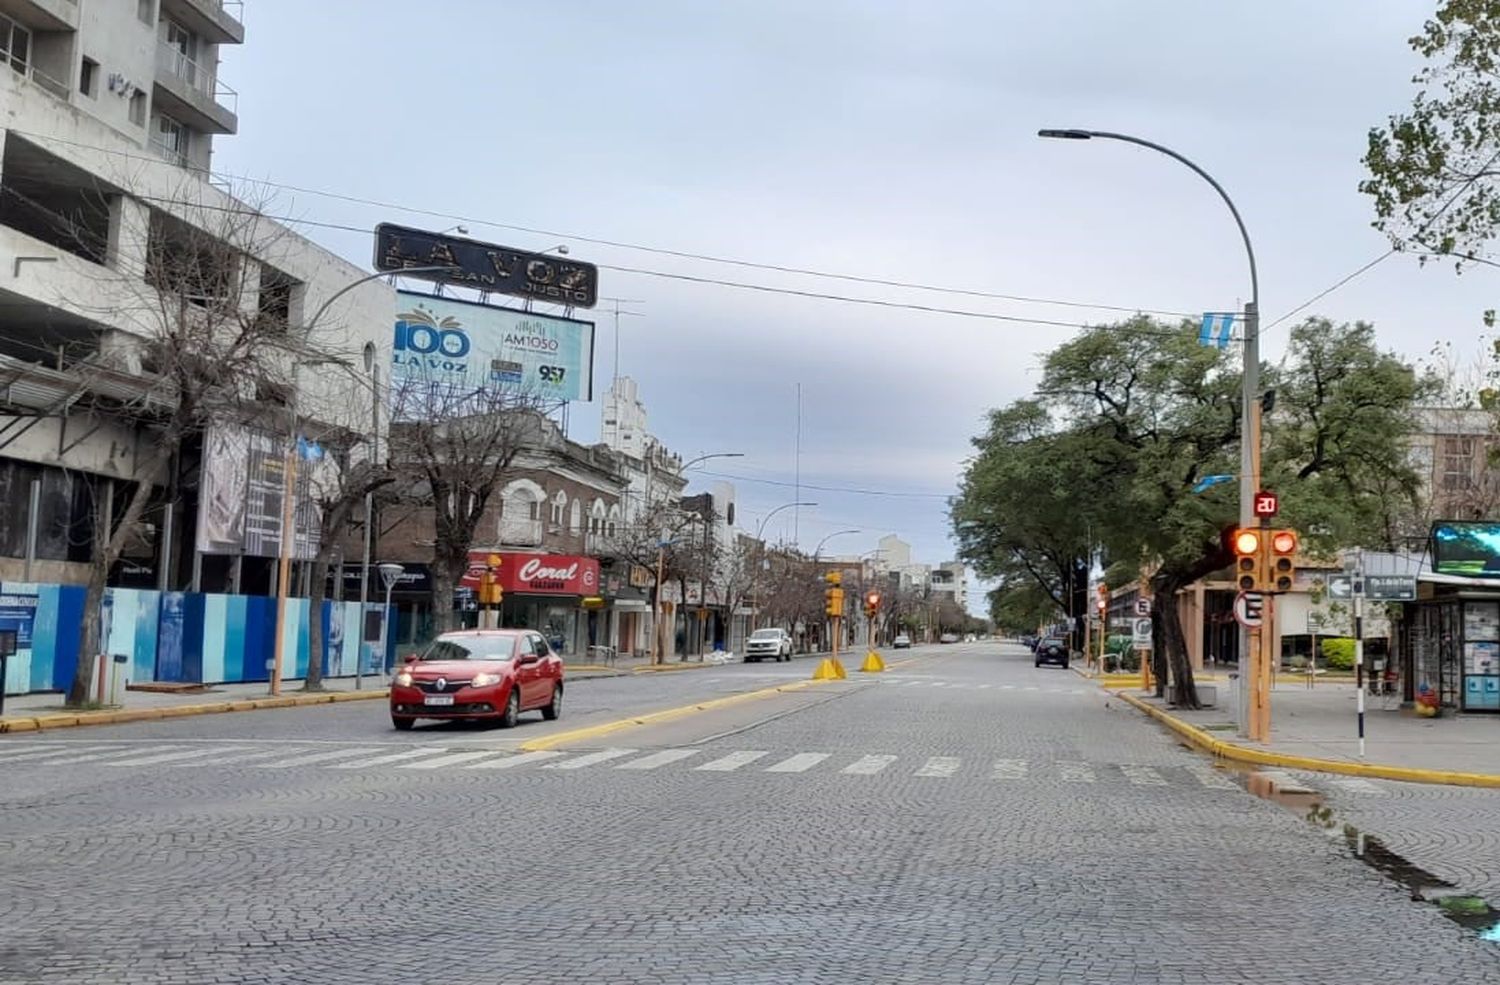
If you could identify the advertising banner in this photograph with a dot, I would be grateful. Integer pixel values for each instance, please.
(240, 495)
(460, 347)
(538, 574)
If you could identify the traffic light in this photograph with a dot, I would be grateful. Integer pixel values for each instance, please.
(1283, 565)
(872, 604)
(1249, 561)
(833, 602)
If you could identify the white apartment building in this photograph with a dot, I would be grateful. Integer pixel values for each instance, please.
(108, 112)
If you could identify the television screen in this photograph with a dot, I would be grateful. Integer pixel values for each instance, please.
(1466, 548)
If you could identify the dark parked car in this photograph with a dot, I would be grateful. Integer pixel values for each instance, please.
(1052, 650)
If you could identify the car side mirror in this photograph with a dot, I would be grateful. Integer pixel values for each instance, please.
(529, 658)
(410, 658)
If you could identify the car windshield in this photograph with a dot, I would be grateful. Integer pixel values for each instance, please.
(766, 634)
(471, 648)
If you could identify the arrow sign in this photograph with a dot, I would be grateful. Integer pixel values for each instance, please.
(1340, 587)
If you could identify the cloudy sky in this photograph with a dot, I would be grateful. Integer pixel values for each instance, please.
(872, 138)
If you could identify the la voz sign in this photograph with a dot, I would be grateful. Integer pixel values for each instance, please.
(487, 266)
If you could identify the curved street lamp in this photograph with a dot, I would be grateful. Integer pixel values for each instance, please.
(838, 533)
(1250, 377)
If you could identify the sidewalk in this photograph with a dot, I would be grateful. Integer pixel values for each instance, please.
(1316, 728)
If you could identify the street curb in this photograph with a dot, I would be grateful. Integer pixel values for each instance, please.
(1245, 754)
(657, 717)
(42, 723)
(673, 668)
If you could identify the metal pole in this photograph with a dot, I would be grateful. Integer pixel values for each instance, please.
(168, 523)
(31, 526)
(385, 619)
(656, 647)
(1250, 377)
(797, 511)
(1359, 655)
(284, 552)
(364, 569)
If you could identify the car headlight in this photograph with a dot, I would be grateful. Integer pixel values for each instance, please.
(403, 679)
(485, 680)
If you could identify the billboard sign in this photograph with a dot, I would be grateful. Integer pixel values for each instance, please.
(460, 347)
(537, 574)
(1469, 549)
(240, 494)
(487, 267)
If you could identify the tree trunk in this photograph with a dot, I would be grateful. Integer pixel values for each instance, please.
(107, 547)
(444, 584)
(1170, 652)
(316, 595)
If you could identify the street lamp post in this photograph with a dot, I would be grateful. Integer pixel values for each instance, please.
(817, 551)
(1249, 388)
(661, 556)
(289, 470)
(760, 529)
(390, 573)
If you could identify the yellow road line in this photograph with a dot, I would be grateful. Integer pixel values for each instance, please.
(657, 717)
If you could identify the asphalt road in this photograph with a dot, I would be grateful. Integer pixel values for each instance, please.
(965, 817)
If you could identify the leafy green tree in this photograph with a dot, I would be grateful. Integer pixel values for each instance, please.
(1130, 417)
(1433, 170)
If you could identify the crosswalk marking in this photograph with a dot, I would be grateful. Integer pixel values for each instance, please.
(602, 756)
(1071, 771)
(452, 759)
(167, 757)
(103, 754)
(656, 759)
(33, 755)
(733, 761)
(984, 686)
(1009, 769)
(1007, 687)
(1358, 785)
(868, 765)
(799, 763)
(1143, 776)
(241, 757)
(1210, 777)
(511, 762)
(394, 757)
(940, 766)
(317, 757)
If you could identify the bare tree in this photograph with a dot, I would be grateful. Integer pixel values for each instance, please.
(460, 443)
(202, 346)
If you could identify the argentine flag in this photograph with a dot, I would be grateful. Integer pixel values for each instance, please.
(1222, 322)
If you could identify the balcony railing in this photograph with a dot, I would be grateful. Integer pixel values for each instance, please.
(180, 66)
(521, 533)
(42, 79)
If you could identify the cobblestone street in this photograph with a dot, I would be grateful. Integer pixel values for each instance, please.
(965, 818)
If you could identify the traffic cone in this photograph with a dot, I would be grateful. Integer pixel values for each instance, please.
(873, 664)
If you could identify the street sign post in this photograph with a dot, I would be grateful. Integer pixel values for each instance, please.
(1266, 504)
(1140, 634)
(1391, 588)
(1341, 587)
(1249, 609)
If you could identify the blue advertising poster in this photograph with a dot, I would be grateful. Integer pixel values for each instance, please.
(18, 612)
(460, 346)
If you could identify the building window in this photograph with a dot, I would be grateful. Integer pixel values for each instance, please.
(575, 518)
(146, 11)
(170, 138)
(559, 504)
(138, 108)
(88, 78)
(1458, 463)
(15, 44)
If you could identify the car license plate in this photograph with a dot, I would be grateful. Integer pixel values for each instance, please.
(438, 699)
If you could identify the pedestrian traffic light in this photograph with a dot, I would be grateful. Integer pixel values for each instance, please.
(833, 602)
(1249, 560)
(1283, 560)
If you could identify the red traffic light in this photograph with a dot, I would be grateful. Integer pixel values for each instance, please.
(1284, 542)
(873, 600)
(1246, 542)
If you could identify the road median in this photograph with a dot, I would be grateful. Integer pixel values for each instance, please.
(123, 716)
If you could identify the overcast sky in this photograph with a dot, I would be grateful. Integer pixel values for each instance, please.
(876, 138)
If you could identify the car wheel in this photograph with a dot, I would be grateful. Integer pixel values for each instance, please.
(552, 709)
(404, 724)
(512, 709)
(1038, 663)
(1064, 665)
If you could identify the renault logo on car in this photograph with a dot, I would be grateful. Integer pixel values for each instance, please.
(442, 683)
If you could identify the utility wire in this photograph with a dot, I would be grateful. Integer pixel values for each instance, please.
(637, 247)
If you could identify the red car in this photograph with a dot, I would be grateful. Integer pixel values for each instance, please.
(492, 674)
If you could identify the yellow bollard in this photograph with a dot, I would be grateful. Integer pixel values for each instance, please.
(873, 664)
(829, 669)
